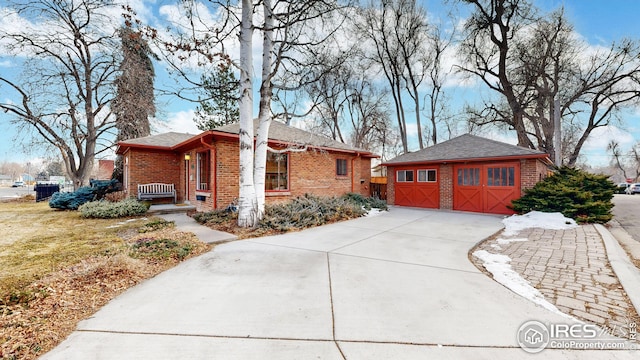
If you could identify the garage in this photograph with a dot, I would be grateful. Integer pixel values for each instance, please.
(467, 173)
(487, 188)
(417, 187)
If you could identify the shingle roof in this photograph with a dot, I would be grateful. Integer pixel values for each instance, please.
(277, 132)
(466, 147)
(169, 139)
(292, 135)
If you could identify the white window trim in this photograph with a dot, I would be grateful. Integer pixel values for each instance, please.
(426, 175)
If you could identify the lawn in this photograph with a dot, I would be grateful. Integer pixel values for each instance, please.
(57, 268)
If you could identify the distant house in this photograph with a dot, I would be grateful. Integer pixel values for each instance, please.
(105, 169)
(204, 168)
(6, 180)
(467, 173)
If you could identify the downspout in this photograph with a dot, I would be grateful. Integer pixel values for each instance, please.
(213, 172)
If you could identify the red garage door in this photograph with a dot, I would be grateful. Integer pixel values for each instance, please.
(486, 188)
(418, 187)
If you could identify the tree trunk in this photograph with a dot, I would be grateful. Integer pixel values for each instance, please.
(264, 115)
(247, 206)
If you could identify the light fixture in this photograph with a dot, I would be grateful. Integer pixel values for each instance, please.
(187, 156)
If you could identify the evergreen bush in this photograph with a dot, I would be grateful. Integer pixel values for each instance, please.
(72, 201)
(109, 210)
(575, 193)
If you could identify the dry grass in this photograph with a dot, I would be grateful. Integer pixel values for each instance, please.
(57, 268)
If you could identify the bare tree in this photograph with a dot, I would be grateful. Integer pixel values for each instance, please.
(399, 34)
(536, 63)
(69, 66)
(438, 43)
(488, 55)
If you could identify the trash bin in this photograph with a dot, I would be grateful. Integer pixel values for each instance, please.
(44, 191)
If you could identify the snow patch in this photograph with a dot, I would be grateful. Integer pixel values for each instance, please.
(536, 219)
(373, 212)
(508, 241)
(498, 265)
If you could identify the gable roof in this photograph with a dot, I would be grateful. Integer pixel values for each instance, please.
(466, 148)
(279, 133)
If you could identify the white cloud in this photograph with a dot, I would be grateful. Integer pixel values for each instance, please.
(181, 121)
(602, 136)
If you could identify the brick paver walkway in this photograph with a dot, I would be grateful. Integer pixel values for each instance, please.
(570, 268)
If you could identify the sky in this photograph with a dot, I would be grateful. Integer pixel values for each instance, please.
(598, 21)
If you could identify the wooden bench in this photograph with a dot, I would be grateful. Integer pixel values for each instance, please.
(156, 191)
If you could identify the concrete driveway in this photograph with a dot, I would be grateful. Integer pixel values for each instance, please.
(394, 286)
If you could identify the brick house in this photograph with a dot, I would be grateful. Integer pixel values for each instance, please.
(205, 168)
(467, 173)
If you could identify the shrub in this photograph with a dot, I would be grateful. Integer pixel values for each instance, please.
(309, 210)
(85, 194)
(575, 193)
(215, 216)
(367, 202)
(109, 210)
(155, 225)
(160, 249)
(299, 213)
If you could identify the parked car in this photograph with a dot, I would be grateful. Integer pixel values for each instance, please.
(622, 188)
(18, 184)
(633, 189)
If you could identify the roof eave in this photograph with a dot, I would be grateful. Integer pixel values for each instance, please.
(465, 160)
(124, 147)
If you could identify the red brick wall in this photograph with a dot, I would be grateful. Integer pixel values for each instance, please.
(311, 172)
(147, 166)
(105, 169)
(227, 172)
(446, 186)
(531, 172)
(391, 185)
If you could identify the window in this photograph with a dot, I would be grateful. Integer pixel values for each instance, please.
(427, 175)
(500, 176)
(277, 172)
(203, 172)
(404, 176)
(341, 167)
(469, 177)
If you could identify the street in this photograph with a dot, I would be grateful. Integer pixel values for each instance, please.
(11, 192)
(627, 212)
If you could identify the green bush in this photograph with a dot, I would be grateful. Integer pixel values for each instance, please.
(576, 194)
(110, 210)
